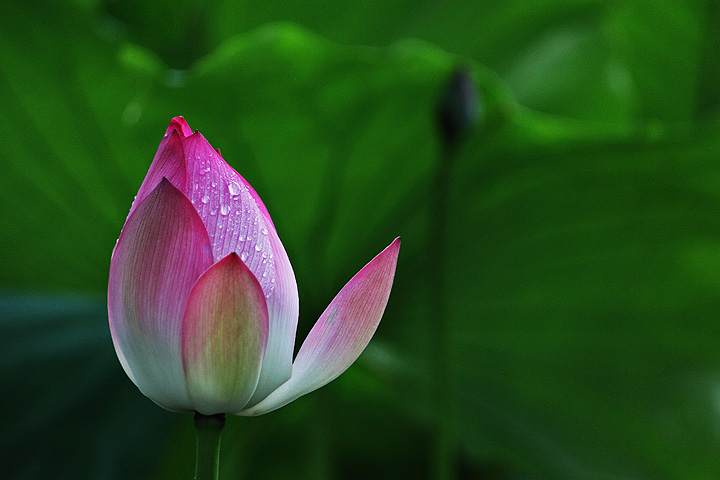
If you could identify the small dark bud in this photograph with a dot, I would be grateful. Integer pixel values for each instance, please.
(459, 108)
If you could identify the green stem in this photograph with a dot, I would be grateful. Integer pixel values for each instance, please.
(444, 381)
(457, 112)
(208, 428)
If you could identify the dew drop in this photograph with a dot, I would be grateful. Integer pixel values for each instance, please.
(264, 231)
(205, 199)
(257, 247)
(234, 189)
(243, 256)
(264, 274)
(224, 209)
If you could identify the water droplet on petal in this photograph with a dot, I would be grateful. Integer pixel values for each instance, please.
(257, 247)
(243, 256)
(224, 210)
(264, 231)
(205, 199)
(234, 189)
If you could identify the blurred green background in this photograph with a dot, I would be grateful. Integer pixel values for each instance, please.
(554, 313)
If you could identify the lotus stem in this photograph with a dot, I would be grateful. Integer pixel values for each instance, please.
(444, 401)
(208, 428)
(457, 113)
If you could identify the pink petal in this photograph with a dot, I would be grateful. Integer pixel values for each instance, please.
(169, 162)
(224, 335)
(162, 251)
(341, 334)
(237, 221)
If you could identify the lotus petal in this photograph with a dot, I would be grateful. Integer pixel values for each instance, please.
(341, 334)
(169, 162)
(162, 251)
(224, 335)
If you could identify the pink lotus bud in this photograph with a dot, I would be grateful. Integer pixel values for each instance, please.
(202, 299)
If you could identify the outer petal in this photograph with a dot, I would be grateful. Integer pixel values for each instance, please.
(162, 251)
(237, 221)
(341, 334)
(224, 335)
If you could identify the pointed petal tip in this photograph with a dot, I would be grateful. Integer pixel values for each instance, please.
(167, 188)
(395, 247)
(178, 124)
(235, 259)
(391, 252)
